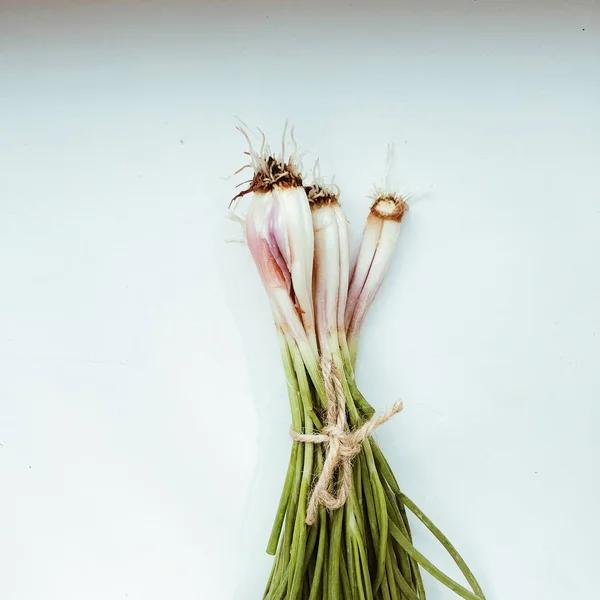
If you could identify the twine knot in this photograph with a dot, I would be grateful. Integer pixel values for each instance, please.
(347, 446)
(342, 444)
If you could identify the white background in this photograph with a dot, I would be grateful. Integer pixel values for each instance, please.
(143, 417)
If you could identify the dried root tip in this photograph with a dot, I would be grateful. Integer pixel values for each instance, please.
(389, 206)
(270, 171)
(321, 194)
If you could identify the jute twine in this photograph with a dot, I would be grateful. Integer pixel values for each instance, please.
(342, 444)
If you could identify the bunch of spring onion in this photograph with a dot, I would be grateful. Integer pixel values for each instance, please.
(352, 539)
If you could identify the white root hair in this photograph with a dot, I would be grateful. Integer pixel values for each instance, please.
(319, 188)
(258, 159)
(389, 161)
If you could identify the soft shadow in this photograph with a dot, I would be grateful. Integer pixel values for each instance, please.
(251, 313)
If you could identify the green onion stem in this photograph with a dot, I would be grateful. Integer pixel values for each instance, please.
(364, 550)
(430, 567)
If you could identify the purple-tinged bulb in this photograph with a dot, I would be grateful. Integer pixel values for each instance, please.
(280, 237)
